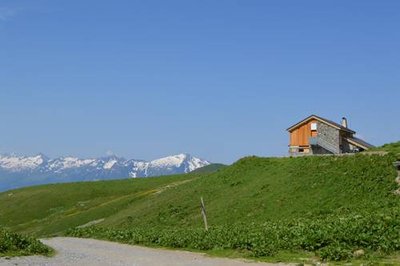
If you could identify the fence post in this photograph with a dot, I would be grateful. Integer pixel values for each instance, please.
(203, 213)
(397, 165)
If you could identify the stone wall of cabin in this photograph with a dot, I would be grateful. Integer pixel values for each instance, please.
(319, 150)
(330, 135)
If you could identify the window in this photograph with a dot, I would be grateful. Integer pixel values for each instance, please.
(314, 126)
(301, 150)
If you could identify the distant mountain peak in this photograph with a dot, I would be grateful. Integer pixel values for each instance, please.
(16, 163)
(183, 161)
(39, 169)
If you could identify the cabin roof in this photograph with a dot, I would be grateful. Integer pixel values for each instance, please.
(323, 120)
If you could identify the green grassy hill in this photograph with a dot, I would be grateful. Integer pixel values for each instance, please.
(51, 209)
(211, 168)
(390, 147)
(253, 189)
(252, 193)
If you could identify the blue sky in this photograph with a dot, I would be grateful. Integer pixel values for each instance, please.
(218, 79)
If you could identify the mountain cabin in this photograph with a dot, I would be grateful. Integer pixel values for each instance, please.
(317, 135)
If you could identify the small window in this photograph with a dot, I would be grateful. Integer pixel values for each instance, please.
(301, 150)
(313, 126)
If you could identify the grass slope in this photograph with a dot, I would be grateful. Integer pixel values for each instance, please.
(263, 189)
(50, 209)
(390, 147)
(211, 168)
(254, 197)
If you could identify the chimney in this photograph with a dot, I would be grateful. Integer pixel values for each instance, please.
(344, 122)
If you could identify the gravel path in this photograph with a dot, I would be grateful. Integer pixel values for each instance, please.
(77, 251)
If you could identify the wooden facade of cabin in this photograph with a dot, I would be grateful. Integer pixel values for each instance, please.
(300, 136)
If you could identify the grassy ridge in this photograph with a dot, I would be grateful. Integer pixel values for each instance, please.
(262, 189)
(211, 168)
(271, 195)
(391, 147)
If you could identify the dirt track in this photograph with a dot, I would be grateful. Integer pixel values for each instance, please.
(76, 251)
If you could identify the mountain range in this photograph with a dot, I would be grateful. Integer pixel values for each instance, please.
(20, 171)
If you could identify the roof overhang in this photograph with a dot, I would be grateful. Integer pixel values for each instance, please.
(359, 143)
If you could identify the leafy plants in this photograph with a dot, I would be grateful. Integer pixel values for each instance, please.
(12, 244)
(331, 238)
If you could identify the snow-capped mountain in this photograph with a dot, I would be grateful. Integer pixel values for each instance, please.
(18, 171)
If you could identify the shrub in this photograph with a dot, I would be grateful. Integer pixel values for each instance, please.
(16, 244)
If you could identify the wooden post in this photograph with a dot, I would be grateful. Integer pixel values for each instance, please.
(397, 165)
(203, 213)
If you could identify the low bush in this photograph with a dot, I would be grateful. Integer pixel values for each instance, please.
(15, 244)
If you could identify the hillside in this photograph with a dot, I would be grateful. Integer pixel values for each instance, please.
(260, 188)
(251, 191)
(211, 168)
(393, 147)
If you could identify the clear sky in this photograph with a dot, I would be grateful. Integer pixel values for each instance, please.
(220, 79)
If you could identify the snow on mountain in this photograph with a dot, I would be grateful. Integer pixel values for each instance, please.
(170, 161)
(181, 163)
(15, 163)
(63, 163)
(17, 171)
(109, 164)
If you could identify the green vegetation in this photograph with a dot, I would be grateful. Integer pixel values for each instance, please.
(209, 168)
(50, 209)
(12, 244)
(390, 147)
(331, 238)
(330, 206)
